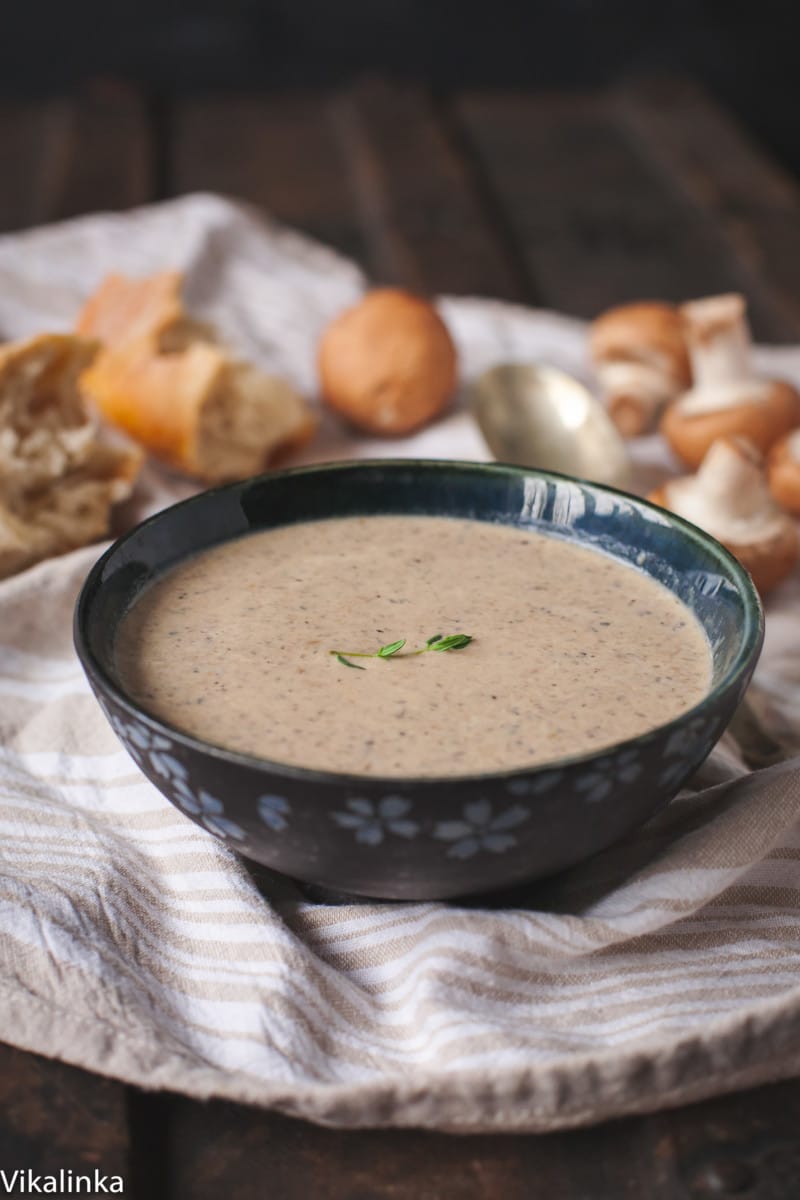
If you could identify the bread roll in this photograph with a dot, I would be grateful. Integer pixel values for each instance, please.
(388, 364)
(163, 378)
(58, 480)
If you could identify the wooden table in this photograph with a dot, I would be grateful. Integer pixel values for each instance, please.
(572, 202)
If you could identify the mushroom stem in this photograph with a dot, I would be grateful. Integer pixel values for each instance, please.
(718, 339)
(731, 477)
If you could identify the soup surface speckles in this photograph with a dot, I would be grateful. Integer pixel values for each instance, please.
(572, 649)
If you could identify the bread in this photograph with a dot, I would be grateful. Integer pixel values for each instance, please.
(388, 364)
(58, 480)
(163, 378)
(641, 361)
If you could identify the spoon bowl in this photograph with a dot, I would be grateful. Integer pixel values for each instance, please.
(532, 415)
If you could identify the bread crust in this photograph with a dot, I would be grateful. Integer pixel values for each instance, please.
(388, 365)
(763, 423)
(155, 398)
(126, 310)
(165, 379)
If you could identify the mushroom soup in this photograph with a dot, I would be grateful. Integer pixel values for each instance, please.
(261, 645)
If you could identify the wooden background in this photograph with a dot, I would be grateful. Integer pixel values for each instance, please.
(571, 201)
(743, 52)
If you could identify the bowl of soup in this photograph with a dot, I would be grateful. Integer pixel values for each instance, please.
(417, 679)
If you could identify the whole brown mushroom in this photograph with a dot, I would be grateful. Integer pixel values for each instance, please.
(729, 498)
(388, 364)
(727, 398)
(641, 362)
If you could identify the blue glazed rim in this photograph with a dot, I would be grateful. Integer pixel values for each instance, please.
(752, 635)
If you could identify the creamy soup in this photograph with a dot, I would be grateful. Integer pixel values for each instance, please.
(571, 650)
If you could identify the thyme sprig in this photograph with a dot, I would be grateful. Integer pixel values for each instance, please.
(453, 641)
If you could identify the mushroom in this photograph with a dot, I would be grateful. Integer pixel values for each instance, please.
(727, 399)
(641, 362)
(729, 498)
(783, 471)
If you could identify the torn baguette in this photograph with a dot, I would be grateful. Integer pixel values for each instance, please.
(163, 378)
(58, 479)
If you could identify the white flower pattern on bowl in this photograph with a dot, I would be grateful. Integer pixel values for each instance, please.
(274, 812)
(536, 786)
(598, 783)
(141, 737)
(209, 811)
(700, 731)
(478, 829)
(372, 822)
(167, 766)
(141, 744)
(688, 736)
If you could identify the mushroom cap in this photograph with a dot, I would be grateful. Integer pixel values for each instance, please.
(769, 562)
(783, 471)
(727, 495)
(650, 332)
(762, 422)
(388, 364)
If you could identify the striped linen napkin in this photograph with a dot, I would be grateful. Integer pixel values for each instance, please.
(135, 944)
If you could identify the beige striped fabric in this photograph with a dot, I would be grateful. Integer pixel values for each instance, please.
(133, 943)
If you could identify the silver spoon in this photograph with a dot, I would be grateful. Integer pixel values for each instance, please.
(538, 416)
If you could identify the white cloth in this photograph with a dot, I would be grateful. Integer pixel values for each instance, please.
(135, 944)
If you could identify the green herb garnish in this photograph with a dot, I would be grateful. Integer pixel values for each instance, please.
(392, 648)
(342, 659)
(454, 641)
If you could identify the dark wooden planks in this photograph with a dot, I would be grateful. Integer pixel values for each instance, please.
(32, 135)
(223, 1149)
(424, 218)
(702, 153)
(83, 153)
(371, 171)
(109, 161)
(743, 1145)
(279, 153)
(597, 217)
(54, 1116)
(592, 220)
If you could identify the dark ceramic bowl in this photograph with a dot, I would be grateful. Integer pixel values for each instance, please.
(426, 838)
